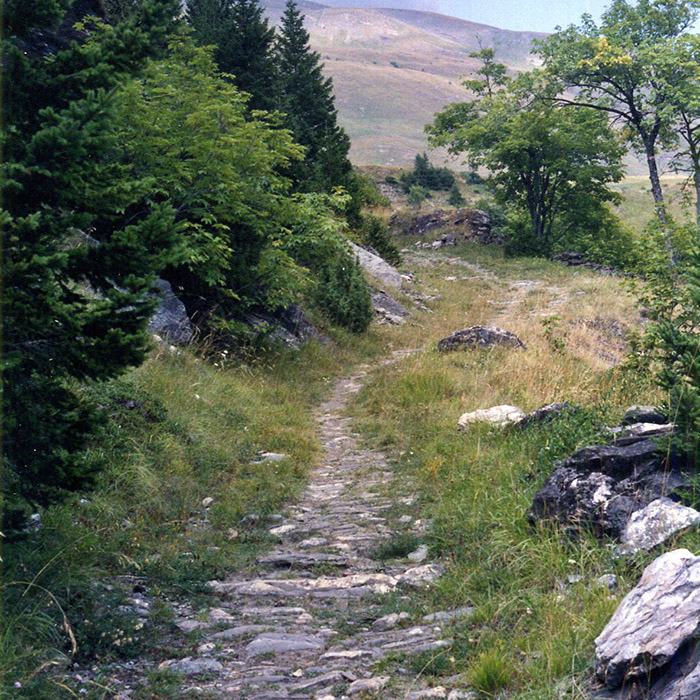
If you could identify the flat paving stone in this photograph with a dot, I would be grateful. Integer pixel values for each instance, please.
(282, 642)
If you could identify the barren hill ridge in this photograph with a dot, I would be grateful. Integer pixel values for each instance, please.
(393, 69)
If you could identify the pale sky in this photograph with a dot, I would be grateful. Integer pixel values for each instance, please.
(520, 15)
(523, 15)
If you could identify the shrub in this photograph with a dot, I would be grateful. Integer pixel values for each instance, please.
(416, 195)
(343, 292)
(374, 233)
(427, 175)
(672, 343)
(472, 177)
(455, 198)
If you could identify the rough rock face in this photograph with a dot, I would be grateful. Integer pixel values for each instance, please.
(479, 336)
(655, 523)
(499, 416)
(643, 414)
(464, 224)
(170, 320)
(600, 487)
(388, 309)
(579, 260)
(289, 326)
(377, 267)
(652, 630)
(547, 413)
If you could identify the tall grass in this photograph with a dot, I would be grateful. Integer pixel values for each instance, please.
(180, 500)
(537, 602)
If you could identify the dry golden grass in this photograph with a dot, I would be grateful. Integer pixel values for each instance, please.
(531, 637)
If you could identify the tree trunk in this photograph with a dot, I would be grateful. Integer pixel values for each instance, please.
(659, 204)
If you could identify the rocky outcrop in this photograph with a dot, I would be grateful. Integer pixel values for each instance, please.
(579, 260)
(479, 336)
(170, 320)
(548, 413)
(498, 416)
(388, 310)
(647, 648)
(655, 523)
(289, 326)
(444, 241)
(377, 267)
(643, 414)
(598, 488)
(465, 224)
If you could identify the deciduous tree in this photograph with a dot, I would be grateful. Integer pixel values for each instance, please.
(625, 68)
(543, 160)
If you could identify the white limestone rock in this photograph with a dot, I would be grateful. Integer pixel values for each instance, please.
(498, 416)
(377, 267)
(655, 523)
(653, 622)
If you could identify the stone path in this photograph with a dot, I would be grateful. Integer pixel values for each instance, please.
(310, 622)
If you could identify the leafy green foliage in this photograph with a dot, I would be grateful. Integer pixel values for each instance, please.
(671, 344)
(343, 292)
(417, 194)
(546, 164)
(189, 129)
(629, 68)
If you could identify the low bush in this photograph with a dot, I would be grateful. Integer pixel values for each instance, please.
(374, 233)
(343, 293)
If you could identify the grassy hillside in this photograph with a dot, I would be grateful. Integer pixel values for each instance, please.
(393, 69)
(637, 207)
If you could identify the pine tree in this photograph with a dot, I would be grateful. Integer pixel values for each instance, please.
(455, 198)
(208, 19)
(82, 238)
(306, 97)
(243, 40)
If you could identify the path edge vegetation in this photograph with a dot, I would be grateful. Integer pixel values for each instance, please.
(85, 237)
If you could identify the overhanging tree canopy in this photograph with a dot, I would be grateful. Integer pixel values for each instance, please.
(83, 238)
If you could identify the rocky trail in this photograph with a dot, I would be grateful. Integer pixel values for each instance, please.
(311, 620)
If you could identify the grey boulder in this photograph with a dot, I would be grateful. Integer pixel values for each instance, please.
(498, 416)
(548, 413)
(652, 629)
(481, 337)
(598, 488)
(655, 523)
(377, 267)
(388, 309)
(170, 320)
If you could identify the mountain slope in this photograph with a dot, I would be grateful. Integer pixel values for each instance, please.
(393, 69)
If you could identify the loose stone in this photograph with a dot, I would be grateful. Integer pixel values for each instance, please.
(367, 685)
